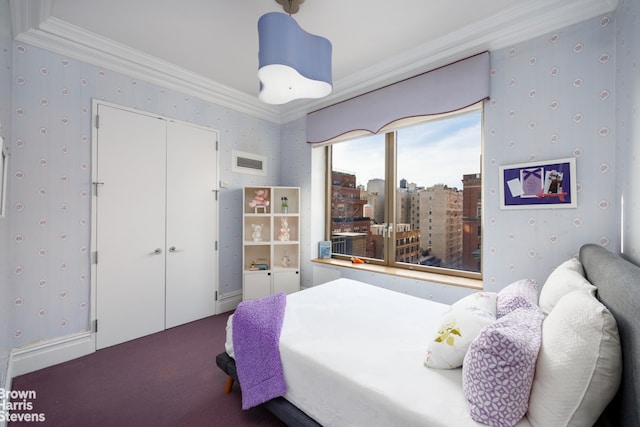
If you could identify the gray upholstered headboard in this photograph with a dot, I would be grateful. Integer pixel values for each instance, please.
(618, 283)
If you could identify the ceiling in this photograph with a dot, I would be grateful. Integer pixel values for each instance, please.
(209, 48)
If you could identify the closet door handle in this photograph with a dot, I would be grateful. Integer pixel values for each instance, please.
(173, 249)
(158, 251)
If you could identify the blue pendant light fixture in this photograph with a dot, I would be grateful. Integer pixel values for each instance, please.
(293, 64)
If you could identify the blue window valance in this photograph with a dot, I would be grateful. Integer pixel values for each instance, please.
(446, 89)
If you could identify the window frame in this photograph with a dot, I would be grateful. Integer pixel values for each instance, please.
(391, 179)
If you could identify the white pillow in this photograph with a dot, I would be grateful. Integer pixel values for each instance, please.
(458, 328)
(579, 365)
(567, 277)
(575, 265)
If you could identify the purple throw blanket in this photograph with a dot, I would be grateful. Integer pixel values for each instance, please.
(256, 336)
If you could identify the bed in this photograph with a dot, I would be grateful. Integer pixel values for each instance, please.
(337, 373)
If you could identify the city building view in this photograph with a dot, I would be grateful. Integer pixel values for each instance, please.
(437, 226)
(432, 213)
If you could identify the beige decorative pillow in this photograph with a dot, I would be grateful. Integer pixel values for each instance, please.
(458, 328)
(579, 365)
(567, 277)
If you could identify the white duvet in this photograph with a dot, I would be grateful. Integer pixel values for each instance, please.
(353, 353)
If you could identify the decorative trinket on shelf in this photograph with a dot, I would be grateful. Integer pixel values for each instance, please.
(324, 249)
(257, 232)
(285, 261)
(284, 235)
(284, 204)
(260, 199)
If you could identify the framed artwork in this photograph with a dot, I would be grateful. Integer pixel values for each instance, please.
(548, 184)
(324, 249)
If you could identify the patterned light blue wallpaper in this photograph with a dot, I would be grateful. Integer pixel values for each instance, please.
(628, 123)
(50, 179)
(551, 97)
(5, 119)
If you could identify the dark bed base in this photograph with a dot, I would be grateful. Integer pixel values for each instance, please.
(280, 407)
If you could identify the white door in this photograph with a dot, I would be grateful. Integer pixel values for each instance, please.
(130, 225)
(191, 223)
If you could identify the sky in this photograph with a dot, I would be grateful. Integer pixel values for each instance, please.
(437, 152)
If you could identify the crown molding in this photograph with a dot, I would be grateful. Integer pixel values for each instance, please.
(37, 28)
(498, 32)
(28, 14)
(33, 24)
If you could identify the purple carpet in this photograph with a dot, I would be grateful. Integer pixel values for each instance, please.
(165, 379)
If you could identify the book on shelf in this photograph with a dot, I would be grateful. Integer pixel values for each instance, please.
(324, 249)
(258, 266)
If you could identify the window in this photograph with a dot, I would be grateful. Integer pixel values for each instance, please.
(411, 198)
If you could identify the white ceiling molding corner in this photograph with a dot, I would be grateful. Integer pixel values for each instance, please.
(550, 17)
(33, 24)
(28, 14)
(62, 38)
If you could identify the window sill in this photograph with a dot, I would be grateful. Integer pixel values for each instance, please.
(408, 274)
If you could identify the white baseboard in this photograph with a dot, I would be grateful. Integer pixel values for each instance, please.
(228, 302)
(48, 353)
(8, 377)
(44, 354)
(6, 387)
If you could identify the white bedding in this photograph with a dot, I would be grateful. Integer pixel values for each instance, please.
(353, 353)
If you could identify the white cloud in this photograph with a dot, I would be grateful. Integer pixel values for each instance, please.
(436, 152)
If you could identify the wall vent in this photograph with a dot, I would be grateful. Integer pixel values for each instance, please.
(244, 162)
(253, 164)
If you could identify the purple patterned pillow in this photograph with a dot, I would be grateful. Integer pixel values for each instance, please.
(523, 293)
(498, 369)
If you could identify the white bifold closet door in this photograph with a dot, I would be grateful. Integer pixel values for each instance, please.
(155, 224)
(191, 270)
